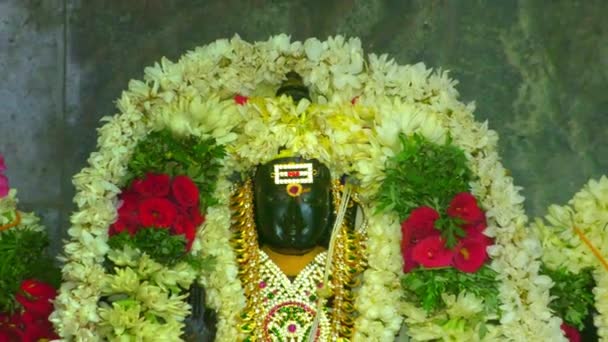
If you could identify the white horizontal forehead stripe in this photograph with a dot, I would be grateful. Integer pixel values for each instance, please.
(282, 173)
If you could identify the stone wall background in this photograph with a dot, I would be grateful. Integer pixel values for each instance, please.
(538, 71)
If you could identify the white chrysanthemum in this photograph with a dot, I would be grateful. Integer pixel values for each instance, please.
(120, 318)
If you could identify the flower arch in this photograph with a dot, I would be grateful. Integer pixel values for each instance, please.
(360, 107)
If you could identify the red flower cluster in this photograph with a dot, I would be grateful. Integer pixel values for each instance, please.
(32, 323)
(422, 244)
(157, 201)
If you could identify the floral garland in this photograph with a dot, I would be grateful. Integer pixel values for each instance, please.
(29, 278)
(444, 249)
(361, 107)
(574, 237)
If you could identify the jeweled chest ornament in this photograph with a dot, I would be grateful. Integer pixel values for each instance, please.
(289, 307)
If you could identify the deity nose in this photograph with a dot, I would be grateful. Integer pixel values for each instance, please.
(294, 214)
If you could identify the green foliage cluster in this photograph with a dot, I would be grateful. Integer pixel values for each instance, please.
(572, 294)
(426, 174)
(160, 245)
(425, 286)
(162, 152)
(22, 256)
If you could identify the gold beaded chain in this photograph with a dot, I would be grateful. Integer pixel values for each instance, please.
(245, 245)
(349, 261)
(347, 264)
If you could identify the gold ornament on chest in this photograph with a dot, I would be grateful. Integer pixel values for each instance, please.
(290, 301)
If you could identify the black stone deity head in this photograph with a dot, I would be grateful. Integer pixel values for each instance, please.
(293, 205)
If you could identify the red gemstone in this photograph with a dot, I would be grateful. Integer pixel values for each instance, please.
(294, 189)
(292, 328)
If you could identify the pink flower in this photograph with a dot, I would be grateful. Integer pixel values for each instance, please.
(470, 254)
(4, 188)
(431, 252)
(2, 165)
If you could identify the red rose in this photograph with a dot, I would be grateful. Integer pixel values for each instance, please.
(408, 261)
(38, 330)
(9, 328)
(10, 333)
(470, 254)
(37, 289)
(14, 319)
(184, 191)
(156, 212)
(419, 225)
(431, 252)
(35, 297)
(195, 216)
(181, 223)
(478, 226)
(153, 185)
(190, 234)
(240, 99)
(464, 206)
(473, 232)
(128, 207)
(128, 214)
(571, 333)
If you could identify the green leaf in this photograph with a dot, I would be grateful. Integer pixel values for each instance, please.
(162, 152)
(158, 243)
(23, 256)
(426, 174)
(425, 287)
(572, 293)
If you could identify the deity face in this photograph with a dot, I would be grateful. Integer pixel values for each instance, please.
(290, 219)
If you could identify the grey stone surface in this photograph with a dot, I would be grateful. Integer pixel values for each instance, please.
(537, 71)
(31, 100)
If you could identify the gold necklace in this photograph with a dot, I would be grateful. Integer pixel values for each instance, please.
(280, 310)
